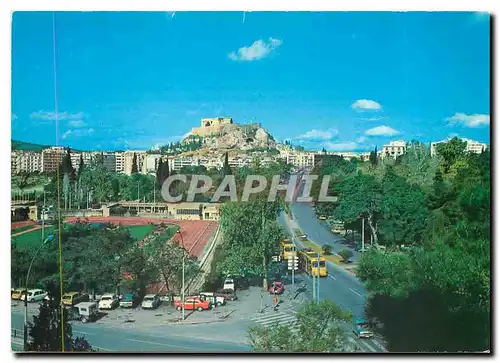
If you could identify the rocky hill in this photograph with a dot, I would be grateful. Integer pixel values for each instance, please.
(235, 139)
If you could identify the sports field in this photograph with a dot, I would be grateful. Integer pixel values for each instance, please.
(33, 238)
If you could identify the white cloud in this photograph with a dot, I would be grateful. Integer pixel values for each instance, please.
(61, 116)
(361, 139)
(318, 135)
(340, 146)
(77, 133)
(362, 105)
(76, 123)
(381, 131)
(474, 120)
(374, 118)
(258, 50)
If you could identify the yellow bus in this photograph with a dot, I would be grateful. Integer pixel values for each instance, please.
(287, 249)
(308, 262)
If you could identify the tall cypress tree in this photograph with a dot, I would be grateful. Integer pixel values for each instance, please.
(226, 169)
(66, 162)
(373, 157)
(165, 172)
(80, 166)
(134, 164)
(159, 171)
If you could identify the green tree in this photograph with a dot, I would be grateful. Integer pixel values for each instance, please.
(80, 166)
(320, 330)
(45, 332)
(360, 197)
(226, 169)
(451, 151)
(374, 157)
(134, 164)
(159, 175)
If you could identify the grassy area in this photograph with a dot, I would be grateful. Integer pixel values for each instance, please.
(21, 229)
(139, 232)
(30, 239)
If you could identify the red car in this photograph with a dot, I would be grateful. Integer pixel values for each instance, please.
(276, 288)
(193, 303)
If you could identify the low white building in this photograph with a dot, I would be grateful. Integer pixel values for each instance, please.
(393, 149)
(472, 146)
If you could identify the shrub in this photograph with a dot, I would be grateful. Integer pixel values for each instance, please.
(345, 254)
(327, 250)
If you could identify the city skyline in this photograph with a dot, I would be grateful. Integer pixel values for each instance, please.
(342, 81)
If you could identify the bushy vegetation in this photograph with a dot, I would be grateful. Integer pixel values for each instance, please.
(431, 286)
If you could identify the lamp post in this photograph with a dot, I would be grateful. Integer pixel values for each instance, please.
(183, 282)
(26, 293)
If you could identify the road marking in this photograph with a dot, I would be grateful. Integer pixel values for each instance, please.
(357, 293)
(332, 277)
(379, 345)
(362, 342)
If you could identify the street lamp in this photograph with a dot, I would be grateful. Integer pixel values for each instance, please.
(183, 282)
(26, 292)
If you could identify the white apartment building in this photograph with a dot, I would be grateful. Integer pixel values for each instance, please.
(300, 159)
(87, 157)
(211, 163)
(119, 162)
(393, 149)
(29, 161)
(472, 146)
(179, 162)
(150, 164)
(239, 161)
(129, 159)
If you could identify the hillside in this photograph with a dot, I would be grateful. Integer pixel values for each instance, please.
(27, 146)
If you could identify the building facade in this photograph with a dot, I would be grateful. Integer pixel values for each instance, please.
(150, 164)
(51, 157)
(119, 162)
(129, 159)
(393, 149)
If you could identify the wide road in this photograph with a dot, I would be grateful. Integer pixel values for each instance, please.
(111, 339)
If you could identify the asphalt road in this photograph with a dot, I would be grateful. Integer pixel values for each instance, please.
(111, 339)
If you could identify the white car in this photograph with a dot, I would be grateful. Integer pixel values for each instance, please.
(34, 295)
(108, 302)
(150, 301)
(213, 298)
(228, 284)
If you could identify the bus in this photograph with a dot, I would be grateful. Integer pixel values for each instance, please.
(308, 262)
(287, 249)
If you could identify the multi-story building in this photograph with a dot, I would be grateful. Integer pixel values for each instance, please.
(87, 158)
(179, 162)
(300, 159)
(14, 156)
(393, 149)
(29, 161)
(472, 146)
(119, 162)
(129, 159)
(150, 164)
(51, 157)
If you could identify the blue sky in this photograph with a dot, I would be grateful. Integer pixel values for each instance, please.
(343, 81)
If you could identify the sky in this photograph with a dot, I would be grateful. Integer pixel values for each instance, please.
(343, 81)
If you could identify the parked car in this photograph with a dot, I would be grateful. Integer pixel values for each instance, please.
(213, 298)
(73, 298)
(276, 288)
(228, 284)
(17, 293)
(362, 328)
(150, 301)
(227, 294)
(84, 311)
(34, 295)
(108, 302)
(193, 303)
(129, 300)
(322, 218)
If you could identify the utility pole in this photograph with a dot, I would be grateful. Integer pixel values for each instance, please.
(43, 217)
(317, 289)
(154, 196)
(138, 197)
(363, 235)
(183, 275)
(314, 282)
